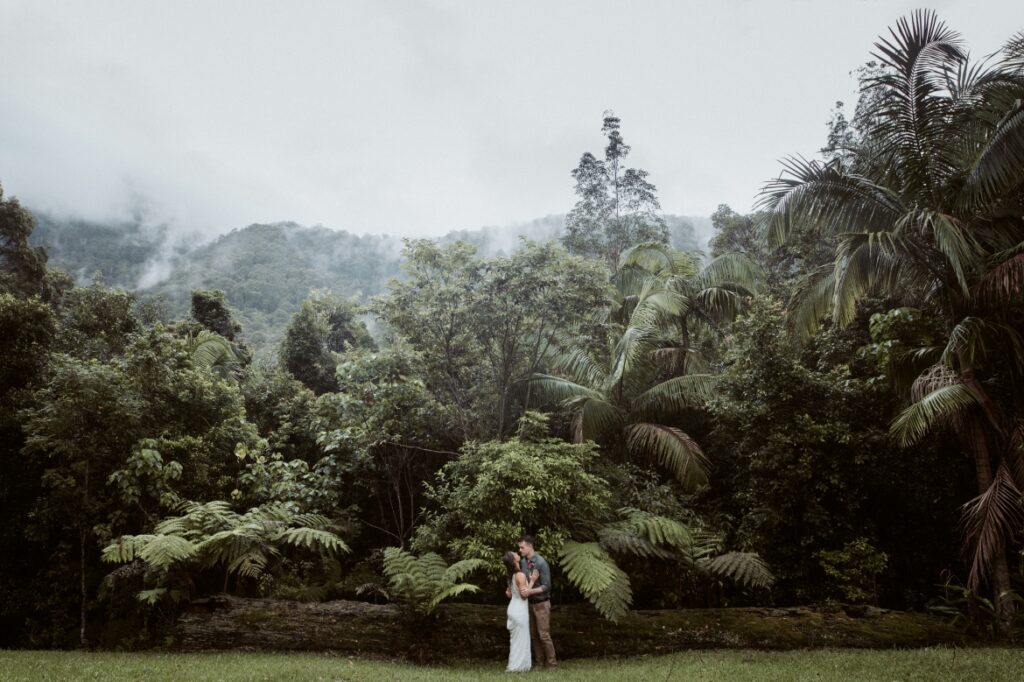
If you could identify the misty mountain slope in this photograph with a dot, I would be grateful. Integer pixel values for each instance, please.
(124, 253)
(267, 270)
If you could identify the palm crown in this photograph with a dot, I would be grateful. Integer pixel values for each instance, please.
(625, 391)
(927, 206)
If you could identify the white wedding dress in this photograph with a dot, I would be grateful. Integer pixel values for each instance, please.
(518, 624)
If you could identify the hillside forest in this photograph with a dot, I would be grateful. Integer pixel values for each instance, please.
(822, 403)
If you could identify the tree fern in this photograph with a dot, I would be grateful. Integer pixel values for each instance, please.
(421, 583)
(625, 541)
(658, 530)
(212, 534)
(595, 574)
(744, 568)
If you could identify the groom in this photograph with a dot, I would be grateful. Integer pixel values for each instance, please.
(540, 603)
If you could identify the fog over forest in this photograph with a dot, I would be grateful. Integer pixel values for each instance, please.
(414, 118)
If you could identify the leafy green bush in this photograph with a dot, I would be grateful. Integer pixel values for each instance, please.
(496, 491)
(855, 569)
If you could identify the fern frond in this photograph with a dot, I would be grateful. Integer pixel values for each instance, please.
(422, 583)
(453, 591)
(659, 530)
(624, 540)
(744, 568)
(598, 578)
(125, 548)
(151, 597)
(163, 551)
(313, 538)
(461, 569)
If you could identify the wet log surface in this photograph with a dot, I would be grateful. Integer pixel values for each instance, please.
(475, 631)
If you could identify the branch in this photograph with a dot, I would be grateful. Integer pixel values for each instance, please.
(416, 447)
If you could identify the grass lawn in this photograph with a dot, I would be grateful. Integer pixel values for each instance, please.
(843, 666)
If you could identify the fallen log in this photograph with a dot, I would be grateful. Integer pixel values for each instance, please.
(477, 631)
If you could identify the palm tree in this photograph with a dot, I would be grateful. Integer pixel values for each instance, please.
(929, 207)
(212, 352)
(626, 391)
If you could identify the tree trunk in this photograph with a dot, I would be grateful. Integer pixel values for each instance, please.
(83, 592)
(977, 442)
(1000, 577)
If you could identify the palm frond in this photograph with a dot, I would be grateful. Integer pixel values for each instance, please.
(579, 364)
(911, 124)
(628, 351)
(967, 341)
(676, 394)
(955, 242)
(855, 257)
(1004, 281)
(825, 197)
(989, 520)
(559, 389)
(814, 301)
(731, 268)
(652, 257)
(594, 417)
(671, 448)
(1000, 163)
(212, 352)
(938, 406)
(722, 303)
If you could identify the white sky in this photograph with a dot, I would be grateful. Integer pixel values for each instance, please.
(416, 118)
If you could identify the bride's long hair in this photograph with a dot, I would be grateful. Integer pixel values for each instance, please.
(511, 560)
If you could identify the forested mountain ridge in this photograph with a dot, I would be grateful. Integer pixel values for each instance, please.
(267, 270)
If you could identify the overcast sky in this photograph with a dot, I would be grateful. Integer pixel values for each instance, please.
(416, 118)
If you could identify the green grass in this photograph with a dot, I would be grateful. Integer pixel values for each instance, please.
(843, 666)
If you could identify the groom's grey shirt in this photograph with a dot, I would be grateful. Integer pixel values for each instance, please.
(540, 563)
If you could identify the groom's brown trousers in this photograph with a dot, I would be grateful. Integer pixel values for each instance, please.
(540, 634)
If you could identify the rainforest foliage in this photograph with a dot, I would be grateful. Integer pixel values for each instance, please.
(826, 405)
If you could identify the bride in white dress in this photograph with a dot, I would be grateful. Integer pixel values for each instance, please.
(518, 622)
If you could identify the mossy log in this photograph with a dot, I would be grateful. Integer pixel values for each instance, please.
(474, 631)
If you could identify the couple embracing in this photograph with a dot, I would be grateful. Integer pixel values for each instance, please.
(529, 608)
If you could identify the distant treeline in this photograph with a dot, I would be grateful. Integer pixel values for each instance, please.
(267, 270)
